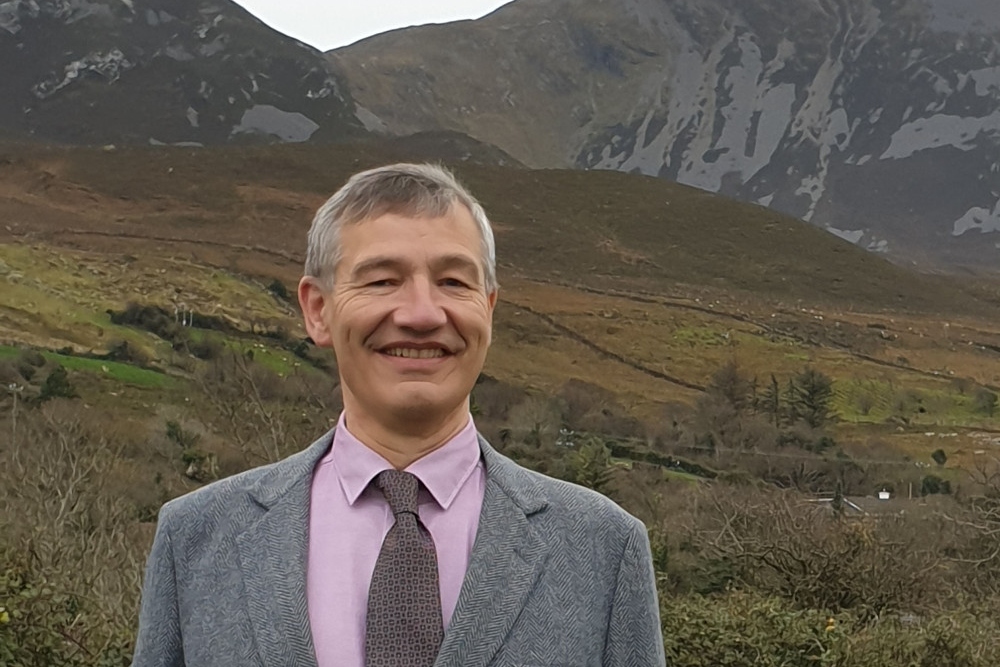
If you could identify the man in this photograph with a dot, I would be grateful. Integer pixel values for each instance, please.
(401, 538)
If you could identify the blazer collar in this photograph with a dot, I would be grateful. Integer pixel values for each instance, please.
(517, 483)
(286, 475)
(505, 563)
(273, 552)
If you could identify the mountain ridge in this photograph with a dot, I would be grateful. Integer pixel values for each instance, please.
(873, 119)
(159, 71)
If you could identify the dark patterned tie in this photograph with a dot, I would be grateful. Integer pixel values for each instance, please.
(404, 627)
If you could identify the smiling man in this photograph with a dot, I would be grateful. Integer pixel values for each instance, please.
(400, 538)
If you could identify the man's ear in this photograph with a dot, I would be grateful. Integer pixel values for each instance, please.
(491, 301)
(312, 300)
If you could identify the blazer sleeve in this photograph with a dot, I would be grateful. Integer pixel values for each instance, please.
(635, 637)
(158, 643)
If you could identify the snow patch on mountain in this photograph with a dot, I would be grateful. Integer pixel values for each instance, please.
(288, 126)
(987, 81)
(730, 116)
(941, 130)
(155, 18)
(979, 218)
(370, 121)
(850, 235)
(753, 122)
(177, 52)
(9, 18)
(67, 11)
(108, 65)
(753, 112)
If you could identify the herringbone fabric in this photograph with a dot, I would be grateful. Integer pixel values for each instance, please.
(403, 623)
(558, 575)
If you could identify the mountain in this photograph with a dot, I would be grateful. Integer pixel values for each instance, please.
(162, 71)
(878, 120)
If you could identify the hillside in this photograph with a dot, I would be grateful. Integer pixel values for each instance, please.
(714, 367)
(628, 282)
(599, 229)
(874, 120)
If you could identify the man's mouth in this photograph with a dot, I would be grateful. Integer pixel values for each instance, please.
(411, 353)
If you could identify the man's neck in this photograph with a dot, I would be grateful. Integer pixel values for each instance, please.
(402, 444)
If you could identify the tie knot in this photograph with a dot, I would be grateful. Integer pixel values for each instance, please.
(400, 490)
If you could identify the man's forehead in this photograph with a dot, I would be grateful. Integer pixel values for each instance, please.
(426, 210)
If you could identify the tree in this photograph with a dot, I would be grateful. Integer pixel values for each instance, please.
(769, 401)
(591, 466)
(729, 384)
(809, 395)
(939, 457)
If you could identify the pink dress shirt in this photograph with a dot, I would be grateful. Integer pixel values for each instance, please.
(348, 521)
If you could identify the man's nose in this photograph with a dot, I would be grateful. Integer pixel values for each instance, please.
(420, 307)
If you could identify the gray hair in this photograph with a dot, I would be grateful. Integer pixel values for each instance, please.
(416, 190)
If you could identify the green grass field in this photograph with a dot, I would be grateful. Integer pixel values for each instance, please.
(113, 370)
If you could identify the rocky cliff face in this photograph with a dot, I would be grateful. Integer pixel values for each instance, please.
(171, 71)
(876, 119)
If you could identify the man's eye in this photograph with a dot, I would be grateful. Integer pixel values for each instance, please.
(454, 282)
(383, 282)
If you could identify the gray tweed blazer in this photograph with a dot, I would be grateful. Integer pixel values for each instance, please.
(558, 575)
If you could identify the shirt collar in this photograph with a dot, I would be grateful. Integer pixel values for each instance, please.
(443, 472)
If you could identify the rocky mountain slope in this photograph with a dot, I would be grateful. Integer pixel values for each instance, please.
(170, 71)
(876, 119)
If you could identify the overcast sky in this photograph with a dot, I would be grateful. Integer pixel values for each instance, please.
(328, 24)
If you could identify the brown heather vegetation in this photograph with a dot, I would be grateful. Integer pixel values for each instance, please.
(746, 567)
(715, 379)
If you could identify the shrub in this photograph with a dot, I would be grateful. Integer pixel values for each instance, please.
(57, 385)
(42, 624)
(932, 484)
(739, 630)
(69, 560)
(10, 374)
(985, 401)
(807, 555)
(152, 319)
(200, 466)
(206, 349)
(742, 629)
(278, 289)
(180, 436)
(123, 351)
(28, 362)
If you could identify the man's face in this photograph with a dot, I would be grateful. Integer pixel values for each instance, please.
(408, 318)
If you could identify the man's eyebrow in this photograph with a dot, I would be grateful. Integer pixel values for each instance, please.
(376, 263)
(442, 263)
(462, 262)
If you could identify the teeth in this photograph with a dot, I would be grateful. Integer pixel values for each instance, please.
(410, 353)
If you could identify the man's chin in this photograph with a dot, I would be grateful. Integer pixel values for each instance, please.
(424, 405)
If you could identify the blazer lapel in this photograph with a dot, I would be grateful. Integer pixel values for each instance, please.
(506, 561)
(272, 559)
